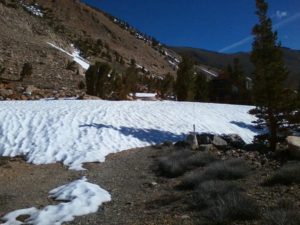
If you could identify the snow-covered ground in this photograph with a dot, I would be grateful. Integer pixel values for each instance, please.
(82, 198)
(75, 132)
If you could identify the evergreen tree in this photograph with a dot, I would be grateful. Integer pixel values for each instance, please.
(201, 88)
(269, 75)
(166, 85)
(2, 69)
(184, 82)
(238, 79)
(26, 71)
(96, 79)
(130, 80)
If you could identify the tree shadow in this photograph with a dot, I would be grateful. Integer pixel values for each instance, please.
(250, 127)
(152, 136)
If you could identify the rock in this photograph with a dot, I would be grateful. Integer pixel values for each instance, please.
(6, 92)
(205, 138)
(206, 148)
(234, 140)
(192, 140)
(219, 142)
(80, 71)
(30, 89)
(294, 146)
(20, 89)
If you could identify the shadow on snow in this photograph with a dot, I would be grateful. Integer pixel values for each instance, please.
(151, 136)
(250, 127)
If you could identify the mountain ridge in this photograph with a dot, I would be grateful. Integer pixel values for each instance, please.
(221, 60)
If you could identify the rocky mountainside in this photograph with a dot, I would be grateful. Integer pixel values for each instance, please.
(221, 60)
(27, 28)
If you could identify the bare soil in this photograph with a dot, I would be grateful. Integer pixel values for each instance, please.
(139, 195)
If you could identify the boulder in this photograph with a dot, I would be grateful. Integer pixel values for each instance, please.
(206, 148)
(294, 146)
(219, 142)
(234, 140)
(192, 140)
(205, 138)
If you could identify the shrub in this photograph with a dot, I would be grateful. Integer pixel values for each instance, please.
(222, 170)
(284, 214)
(175, 164)
(232, 206)
(183, 160)
(201, 159)
(3, 161)
(287, 174)
(208, 191)
(228, 170)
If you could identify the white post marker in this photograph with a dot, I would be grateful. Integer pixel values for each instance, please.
(195, 141)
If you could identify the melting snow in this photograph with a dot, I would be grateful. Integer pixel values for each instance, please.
(75, 55)
(82, 198)
(75, 132)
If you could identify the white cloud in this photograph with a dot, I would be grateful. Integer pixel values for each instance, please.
(281, 14)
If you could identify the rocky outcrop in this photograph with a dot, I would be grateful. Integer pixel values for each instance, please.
(294, 146)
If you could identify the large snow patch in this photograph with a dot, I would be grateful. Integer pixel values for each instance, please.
(75, 132)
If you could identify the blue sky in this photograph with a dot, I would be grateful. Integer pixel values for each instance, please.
(218, 25)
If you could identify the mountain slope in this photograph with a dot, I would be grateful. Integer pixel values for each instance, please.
(24, 36)
(221, 60)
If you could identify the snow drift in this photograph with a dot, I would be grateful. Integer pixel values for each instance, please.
(76, 132)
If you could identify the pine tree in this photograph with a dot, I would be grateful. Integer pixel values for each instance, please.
(96, 79)
(26, 71)
(269, 75)
(166, 85)
(184, 82)
(201, 88)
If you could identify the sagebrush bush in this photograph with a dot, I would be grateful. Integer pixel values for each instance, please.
(222, 170)
(228, 170)
(181, 161)
(285, 213)
(3, 161)
(174, 165)
(208, 191)
(232, 206)
(201, 159)
(286, 175)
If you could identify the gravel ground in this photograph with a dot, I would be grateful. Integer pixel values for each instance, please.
(139, 196)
